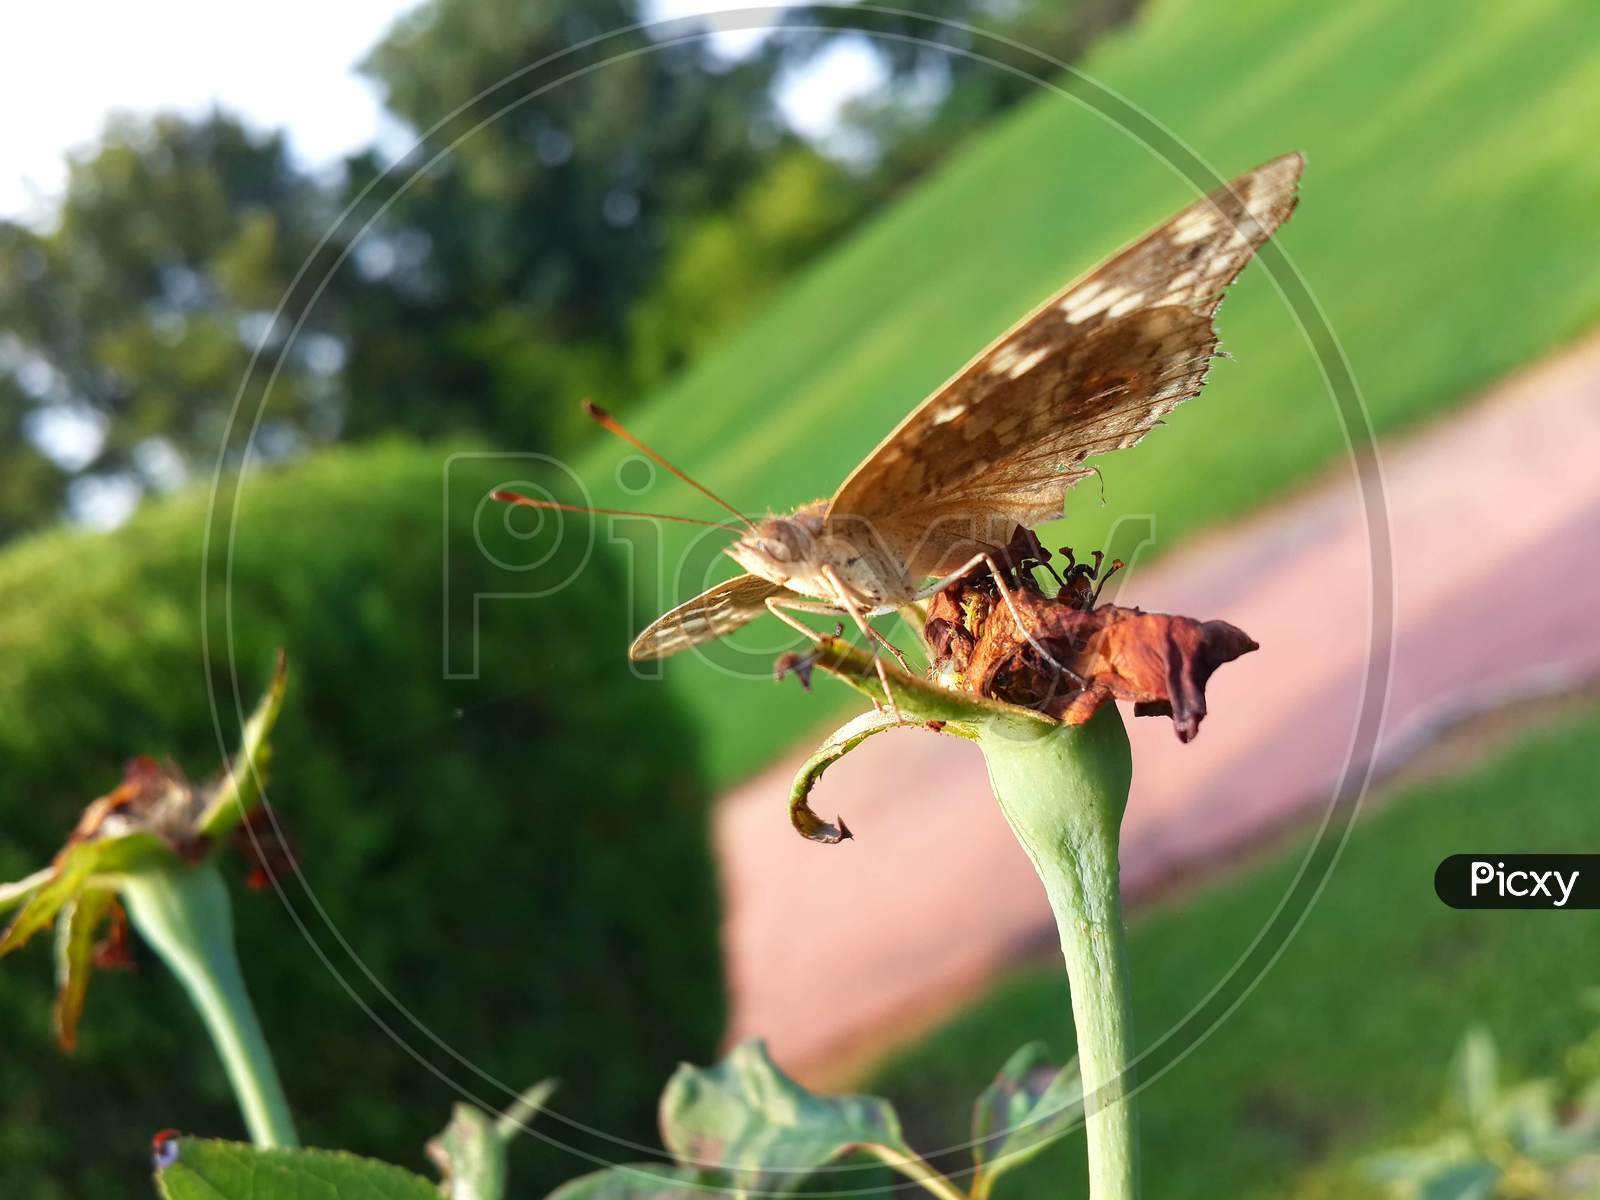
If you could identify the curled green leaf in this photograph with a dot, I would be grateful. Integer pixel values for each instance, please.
(1030, 1103)
(744, 1128)
(919, 703)
(744, 1117)
(843, 740)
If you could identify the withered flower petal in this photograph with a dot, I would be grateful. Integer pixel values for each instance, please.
(264, 843)
(1065, 657)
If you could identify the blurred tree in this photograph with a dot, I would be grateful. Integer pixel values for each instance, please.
(553, 211)
(720, 267)
(587, 211)
(128, 326)
(952, 73)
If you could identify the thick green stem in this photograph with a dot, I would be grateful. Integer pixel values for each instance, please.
(1064, 791)
(184, 912)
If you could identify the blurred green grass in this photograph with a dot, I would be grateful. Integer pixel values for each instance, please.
(1449, 191)
(1343, 1049)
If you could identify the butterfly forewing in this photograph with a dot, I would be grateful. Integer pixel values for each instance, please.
(715, 612)
(1092, 369)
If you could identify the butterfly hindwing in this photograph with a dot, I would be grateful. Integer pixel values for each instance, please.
(1092, 369)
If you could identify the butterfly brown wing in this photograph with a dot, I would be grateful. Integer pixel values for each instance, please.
(714, 613)
(1092, 369)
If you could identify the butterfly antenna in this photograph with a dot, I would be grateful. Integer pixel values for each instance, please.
(610, 424)
(517, 498)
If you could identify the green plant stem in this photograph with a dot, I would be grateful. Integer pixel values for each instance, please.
(184, 912)
(1063, 792)
(918, 1171)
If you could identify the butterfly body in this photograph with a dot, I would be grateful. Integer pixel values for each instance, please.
(1092, 369)
(829, 561)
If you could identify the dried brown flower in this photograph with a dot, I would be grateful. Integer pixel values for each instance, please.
(1071, 654)
(154, 820)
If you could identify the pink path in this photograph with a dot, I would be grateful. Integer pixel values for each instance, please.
(1495, 515)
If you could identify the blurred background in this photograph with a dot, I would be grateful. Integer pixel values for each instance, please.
(440, 224)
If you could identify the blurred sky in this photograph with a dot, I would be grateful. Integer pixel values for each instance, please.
(66, 64)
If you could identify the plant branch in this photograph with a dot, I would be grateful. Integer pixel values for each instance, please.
(1063, 793)
(918, 1171)
(185, 914)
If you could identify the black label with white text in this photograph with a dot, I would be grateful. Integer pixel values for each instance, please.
(1519, 881)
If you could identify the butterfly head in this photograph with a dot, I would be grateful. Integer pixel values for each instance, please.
(782, 549)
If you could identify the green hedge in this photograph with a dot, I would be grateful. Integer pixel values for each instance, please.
(521, 858)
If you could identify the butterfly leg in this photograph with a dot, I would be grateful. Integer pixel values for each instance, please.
(783, 608)
(858, 613)
(985, 559)
(777, 606)
(874, 635)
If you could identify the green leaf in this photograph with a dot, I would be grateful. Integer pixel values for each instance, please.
(74, 868)
(519, 1114)
(240, 790)
(81, 918)
(470, 1156)
(1477, 1081)
(1528, 1117)
(1469, 1181)
(747, 1117)
(1029, 1105)
(207, 1169)
(641, 1181)
(471, 1151)
(13, 894)
(43, 903)
(1406, 1170)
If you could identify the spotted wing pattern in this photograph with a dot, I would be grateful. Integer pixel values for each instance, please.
(715, 612)
(1092, 369)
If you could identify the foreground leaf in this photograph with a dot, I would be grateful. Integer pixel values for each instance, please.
(240, 788)
(1469, 1181)
(747, 1117)
(76, 930)
(639, 1181)
(1477, 1086)
(470, 1152)
(207, 1169)
(1029, 1105)
(19, 892)
(74, 867)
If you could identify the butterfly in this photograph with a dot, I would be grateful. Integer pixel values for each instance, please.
(1092, 369)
